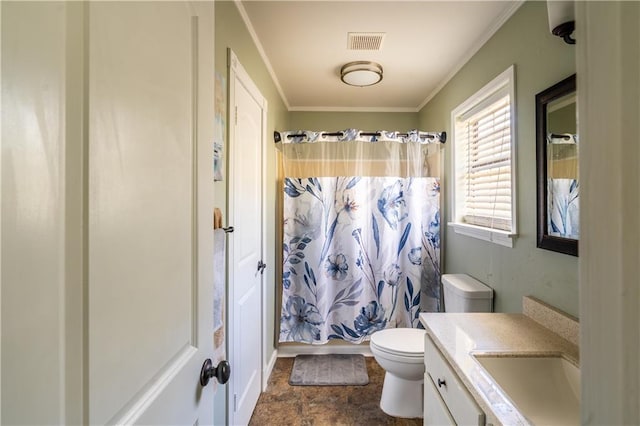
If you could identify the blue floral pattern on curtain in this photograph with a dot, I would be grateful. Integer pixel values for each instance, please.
(564, 208)
(564, 194)
(360, 254)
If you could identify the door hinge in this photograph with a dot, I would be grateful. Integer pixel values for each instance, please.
(236, 115)
(235, 402)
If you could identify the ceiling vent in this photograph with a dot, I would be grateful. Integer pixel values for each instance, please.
(364, 41)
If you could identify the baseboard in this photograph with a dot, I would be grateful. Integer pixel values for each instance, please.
(288, 351)
(266, 372)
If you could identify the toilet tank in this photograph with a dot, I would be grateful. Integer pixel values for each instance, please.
(463, 293)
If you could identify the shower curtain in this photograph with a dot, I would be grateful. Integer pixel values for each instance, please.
(361, 249)
(563, 191)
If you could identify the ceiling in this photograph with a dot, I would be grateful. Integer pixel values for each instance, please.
(304, 44)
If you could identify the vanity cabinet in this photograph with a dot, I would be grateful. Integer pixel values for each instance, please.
(435, 410)
(446, 400)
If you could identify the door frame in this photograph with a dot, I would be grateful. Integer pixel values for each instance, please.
(237, 71)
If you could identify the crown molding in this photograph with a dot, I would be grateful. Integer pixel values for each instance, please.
(474, 49)
(350, 109)
(263, 55)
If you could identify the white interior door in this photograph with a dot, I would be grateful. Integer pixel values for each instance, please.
(245, 209)
(107, 196)
(150, 236)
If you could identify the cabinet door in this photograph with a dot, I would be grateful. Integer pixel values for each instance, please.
(435, 410)
(456, 397)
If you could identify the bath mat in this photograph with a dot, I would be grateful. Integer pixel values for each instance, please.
(329, 370)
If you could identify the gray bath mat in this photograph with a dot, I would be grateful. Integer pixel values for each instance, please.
(329, 370)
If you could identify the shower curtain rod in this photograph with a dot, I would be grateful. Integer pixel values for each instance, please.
(442, 136)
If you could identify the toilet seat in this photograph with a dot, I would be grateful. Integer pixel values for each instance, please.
(400, 352)
(402, 342)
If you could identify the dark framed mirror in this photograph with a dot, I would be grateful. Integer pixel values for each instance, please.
(557, 168)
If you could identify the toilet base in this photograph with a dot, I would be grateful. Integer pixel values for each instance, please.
(401, 397)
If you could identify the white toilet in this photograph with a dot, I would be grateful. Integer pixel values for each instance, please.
(400, 351)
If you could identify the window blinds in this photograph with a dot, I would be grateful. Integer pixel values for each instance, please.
(485, 143)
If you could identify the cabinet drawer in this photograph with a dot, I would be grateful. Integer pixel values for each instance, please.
(459, 401)
(435, 411)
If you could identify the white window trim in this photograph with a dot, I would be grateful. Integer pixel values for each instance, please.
(497, 236)
(504, 238)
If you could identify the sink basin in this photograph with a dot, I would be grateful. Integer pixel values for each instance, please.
(546, 389)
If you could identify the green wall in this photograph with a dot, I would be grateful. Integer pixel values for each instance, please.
(370, 121)
(541, 60)
(231, 32)
(562, 120)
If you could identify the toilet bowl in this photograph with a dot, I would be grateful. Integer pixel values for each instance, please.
(400, 351)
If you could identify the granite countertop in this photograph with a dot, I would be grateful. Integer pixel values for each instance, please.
(459, 335)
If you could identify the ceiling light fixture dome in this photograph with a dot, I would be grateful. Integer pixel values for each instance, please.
(361, 73)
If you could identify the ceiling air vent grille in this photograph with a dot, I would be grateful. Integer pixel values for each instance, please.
(365, 41)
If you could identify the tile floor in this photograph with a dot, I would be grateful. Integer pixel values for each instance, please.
(283, 404)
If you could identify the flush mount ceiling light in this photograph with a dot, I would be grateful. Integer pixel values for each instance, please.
(361, 73)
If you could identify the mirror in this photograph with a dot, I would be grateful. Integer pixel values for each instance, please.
(557, 168)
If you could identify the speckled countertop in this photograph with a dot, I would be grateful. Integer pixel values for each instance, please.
(459, 335)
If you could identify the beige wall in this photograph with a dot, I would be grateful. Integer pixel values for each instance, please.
(541, 60)
(370, 121)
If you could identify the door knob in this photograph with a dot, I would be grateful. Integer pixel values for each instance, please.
(221, 372)
(261, 266)
(441, 383)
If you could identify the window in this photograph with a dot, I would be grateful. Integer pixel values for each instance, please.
(483, 157)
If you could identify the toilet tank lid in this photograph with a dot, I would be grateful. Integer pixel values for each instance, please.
(467, 286)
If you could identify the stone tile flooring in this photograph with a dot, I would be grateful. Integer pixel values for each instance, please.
(283, 404)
